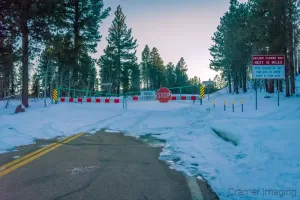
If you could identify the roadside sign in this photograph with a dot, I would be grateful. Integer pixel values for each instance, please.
(208, 82)
(148, 95)
(163, 95)
(105, 84)
(268, 67)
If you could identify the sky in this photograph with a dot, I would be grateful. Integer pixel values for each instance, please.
(177, 28)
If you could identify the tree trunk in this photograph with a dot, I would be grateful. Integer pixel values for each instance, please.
(271, 86)
(236, 83)
(245, 81)
(25, 55)
(298, 62)
(70, 81)
(76, 44)
(266, 85)
(291, 50)
(10, 68)
(229, 80)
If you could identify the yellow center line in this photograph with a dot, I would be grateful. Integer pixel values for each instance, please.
(9, 167)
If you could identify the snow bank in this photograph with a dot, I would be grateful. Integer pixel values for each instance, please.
(236, 152)
(54, 120)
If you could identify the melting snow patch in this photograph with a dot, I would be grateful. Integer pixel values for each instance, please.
(15, 157)
(225, 136)
(78, 170)
(112, 131)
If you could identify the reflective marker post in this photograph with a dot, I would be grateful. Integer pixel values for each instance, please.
(242, 103)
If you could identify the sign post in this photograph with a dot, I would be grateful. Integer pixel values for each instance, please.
(268, 67)
(163, 95)
(208, 83)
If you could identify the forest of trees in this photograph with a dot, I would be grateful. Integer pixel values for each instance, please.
(48, 43)
(258, 27)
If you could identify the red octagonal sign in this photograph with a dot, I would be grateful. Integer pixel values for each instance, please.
(163, 95)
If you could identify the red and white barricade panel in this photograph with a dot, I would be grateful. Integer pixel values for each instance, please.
(88, 100)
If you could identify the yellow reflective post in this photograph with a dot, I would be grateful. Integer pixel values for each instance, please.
(202, 93)
(214, 103)
(224, 105)
(54, 96)
(232, 105)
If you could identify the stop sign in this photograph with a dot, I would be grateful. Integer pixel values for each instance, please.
(163, 95)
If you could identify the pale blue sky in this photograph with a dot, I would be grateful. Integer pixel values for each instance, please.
(178, 28)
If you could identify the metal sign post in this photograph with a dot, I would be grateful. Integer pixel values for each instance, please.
(208, 83)
(201, 93)
(268, 67)
(278, 91)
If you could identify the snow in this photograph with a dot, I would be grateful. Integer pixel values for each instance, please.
(234, 151)
(112, 131)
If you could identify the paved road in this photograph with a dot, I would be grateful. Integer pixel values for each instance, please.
(100, 166)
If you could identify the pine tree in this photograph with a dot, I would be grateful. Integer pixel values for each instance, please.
(145, 67)
(135, 81)
(35, 85)
(180, 73)
(120, 54)
(82, 19)
(88, 73)
(156, 70)
(29, 19)
(107, 70)
(170, 75)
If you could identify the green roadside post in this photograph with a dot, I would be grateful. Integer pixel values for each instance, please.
(58, 94)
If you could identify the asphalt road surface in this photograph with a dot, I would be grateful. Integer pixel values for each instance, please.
(101, 166)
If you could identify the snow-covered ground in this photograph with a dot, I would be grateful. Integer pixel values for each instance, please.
(253, 154)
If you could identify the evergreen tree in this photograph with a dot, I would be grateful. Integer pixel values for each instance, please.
(35, 85)
(256, 27)
(120, 54)
(180, 73)
(108, 70)
(82, 18)
(135, 82)
(156, 70)
(170, 75)
(195, 80)
(145, 67)
(28, 19)
(88, 73)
